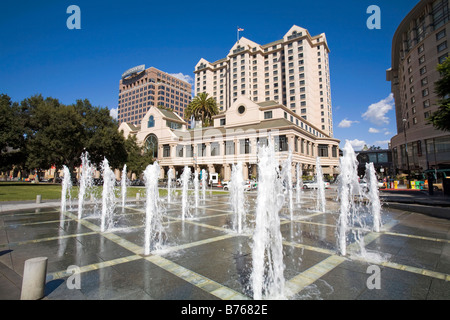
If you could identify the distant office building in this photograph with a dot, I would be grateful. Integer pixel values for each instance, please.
(381, 159)
(419, 45)
(293, 71)
(141, 88)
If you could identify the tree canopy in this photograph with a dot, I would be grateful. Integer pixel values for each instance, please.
(138, 158)
(203, 108)
(12, 136)
(50, 133)
(441, 118)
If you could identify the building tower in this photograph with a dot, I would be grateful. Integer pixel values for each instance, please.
(419, 45)
(293, 71)
(141, 88)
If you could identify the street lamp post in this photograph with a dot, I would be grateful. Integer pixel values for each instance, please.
(406, 146)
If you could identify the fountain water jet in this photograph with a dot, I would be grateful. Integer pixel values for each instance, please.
(237, 198)
(348, 189)
(66, 187)
(321, 203)
(86, 181)
(287, 177)
(204, 177)
(373, 196)
(170, 177)
(196, 188)
(153, 211)
(185, 177)
(123, 184)
(108, 196)
(267, 276)
(299, 185)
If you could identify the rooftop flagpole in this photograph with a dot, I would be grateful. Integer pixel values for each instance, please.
(238, 30)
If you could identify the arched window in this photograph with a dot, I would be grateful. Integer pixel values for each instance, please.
(151, 145)
(151, 122)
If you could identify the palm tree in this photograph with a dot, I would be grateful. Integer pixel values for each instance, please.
(202, 108)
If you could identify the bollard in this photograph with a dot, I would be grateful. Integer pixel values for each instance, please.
(34, 274)
(38, 199)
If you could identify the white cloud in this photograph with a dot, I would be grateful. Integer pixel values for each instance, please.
(373, 130)
(113, 113)
(183, 77)
(383, 144)
(357, 144)
(387, 133)
(376, 113)
(346, 123)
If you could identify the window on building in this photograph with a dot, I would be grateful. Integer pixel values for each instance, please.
(166, 151)
(323, 150)
(268, 115)
(189, 151)
(201, 150)
(245, 147)
(281, 144)
(215, 149)
(229, 147)
(180, 151)
(263, 141)
(151, 145)
(334, 153)
(441, 47)
(440, 13)
(151, 122)
(173, 125)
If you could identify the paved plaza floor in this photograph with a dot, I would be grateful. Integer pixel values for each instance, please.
(204, 259)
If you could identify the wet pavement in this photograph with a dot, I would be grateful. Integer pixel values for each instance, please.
(203, 259)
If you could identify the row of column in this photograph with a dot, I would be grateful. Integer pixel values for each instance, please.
(304, 147)
(249, 169)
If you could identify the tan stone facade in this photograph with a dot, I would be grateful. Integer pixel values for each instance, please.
(419, 45)
(293, 71)
(234, 138)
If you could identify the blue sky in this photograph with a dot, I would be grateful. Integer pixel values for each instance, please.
(39, 54)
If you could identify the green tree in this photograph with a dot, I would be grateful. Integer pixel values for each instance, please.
(203, 108)
(441, 118)
(12, 134)
(58, 134)
(138, 159)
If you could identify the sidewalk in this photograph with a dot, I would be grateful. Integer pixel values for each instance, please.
(419, 201)
(28, 204)
(437, 205)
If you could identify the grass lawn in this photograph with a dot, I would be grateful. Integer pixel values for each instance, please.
(20, 191)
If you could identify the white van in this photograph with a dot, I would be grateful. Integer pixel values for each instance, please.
(213, 179)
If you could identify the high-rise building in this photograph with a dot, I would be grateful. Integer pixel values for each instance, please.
(141, 88)
(293, 71)
(419, 45)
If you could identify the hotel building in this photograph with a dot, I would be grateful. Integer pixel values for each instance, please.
(293, 71)
(234, 138)
(141, 88)
(279, 91)
(419, 45)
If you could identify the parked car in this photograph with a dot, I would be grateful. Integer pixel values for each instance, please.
(365, 187)
(314, 185)
(248, 185)
(137, 183)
